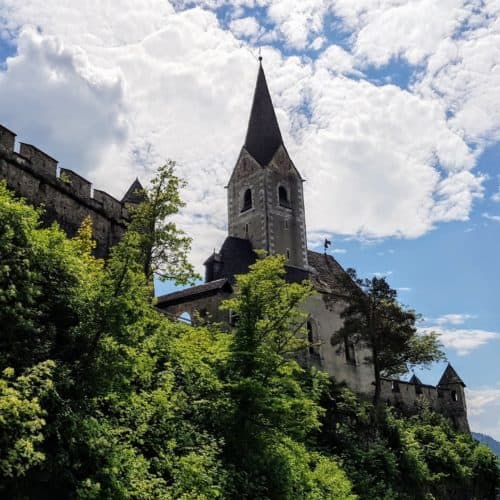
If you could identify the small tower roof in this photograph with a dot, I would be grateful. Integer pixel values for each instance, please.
(450, 376)
(135, 193)
(263, 134)
(415, 380)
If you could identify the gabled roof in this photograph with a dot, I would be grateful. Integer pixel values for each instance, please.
(135, 193)
(450, 376)
(415, 380)
(328, 275)
(263, 134)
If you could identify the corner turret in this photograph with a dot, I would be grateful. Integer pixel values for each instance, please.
(452, 398)
(135, 194)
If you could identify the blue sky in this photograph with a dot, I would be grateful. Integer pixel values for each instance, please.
(390, 112)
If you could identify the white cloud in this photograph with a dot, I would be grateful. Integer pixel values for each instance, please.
(52, 93)
(463, 72)
(404, 289)
(496, 197)
(298, 21)
(339, 250)
(462, 341)
(483, 408)
(492, 217)
(246, 27)
(318, 43)
(452, 319)
(412, 29)
(338, 60)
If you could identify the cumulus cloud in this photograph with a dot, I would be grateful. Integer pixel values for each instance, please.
(462, 341)
(412, 30)
(52, 93)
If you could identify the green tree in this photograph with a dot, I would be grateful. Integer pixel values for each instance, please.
(130, 397)
(375, 318)
(387, 456)
(164, 246)
(274, 402)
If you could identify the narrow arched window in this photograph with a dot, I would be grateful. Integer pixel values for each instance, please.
(247, 200)
(310, 337)
(454, 396)
(350, 353)
(283, 199)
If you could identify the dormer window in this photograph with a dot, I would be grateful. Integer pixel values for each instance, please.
(247, 200)
(283, 198)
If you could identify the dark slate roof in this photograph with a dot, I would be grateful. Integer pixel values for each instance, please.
(187, 294)
(135, 193)
(263, 134)
(235, 257)
(450, 376)
(328, 275)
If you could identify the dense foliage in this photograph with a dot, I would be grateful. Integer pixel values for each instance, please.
(102, 397)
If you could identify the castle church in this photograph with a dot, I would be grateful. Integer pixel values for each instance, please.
(265, 211)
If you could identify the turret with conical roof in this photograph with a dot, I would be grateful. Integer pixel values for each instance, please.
(450, 377)
(453, 403)
(265, 196)
(135, 193)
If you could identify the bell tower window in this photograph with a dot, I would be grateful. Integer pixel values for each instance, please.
(247, 200)
(283, 198)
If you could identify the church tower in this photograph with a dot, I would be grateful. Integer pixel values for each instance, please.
(265, 195)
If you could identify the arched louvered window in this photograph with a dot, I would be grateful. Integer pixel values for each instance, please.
(247, 200)
(283, 198)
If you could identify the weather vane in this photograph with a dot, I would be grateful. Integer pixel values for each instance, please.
(327, 244)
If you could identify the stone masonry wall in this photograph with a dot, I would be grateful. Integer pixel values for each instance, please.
(67, 198)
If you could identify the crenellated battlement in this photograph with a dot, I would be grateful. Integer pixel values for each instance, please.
(66, 196)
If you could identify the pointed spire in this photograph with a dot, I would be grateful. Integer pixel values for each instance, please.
(450, 376)
(263, 134)
(415, 380)
(135, 193)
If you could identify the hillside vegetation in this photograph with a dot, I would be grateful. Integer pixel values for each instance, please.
(103, 397)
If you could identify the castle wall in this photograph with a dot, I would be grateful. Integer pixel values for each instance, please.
(408, 397)
(67, 198)
(332, 356)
